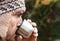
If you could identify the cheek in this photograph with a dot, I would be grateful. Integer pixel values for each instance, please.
(19, 21)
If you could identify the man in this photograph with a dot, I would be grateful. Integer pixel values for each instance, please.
(16, 21)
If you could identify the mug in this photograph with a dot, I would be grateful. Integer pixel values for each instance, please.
(25, 29)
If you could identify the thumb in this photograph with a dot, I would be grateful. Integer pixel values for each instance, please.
(19, 38)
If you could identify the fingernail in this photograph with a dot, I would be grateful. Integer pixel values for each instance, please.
(29, 20)
(35, 35)
(34, 24)
(20, 37)
(35, 30)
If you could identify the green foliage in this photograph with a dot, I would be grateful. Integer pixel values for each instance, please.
(45, 17)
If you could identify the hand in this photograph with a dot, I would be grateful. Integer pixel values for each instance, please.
(34, 35)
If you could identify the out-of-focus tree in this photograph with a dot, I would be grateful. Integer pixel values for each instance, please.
(46, 14)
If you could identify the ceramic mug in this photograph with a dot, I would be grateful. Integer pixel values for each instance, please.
(25, 29)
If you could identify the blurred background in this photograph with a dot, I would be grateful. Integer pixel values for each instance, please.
(46, 13)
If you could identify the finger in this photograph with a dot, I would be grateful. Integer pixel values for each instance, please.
(35, 33)
(35, 30)
(29, 20)
(19, 38)
(34, 24)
